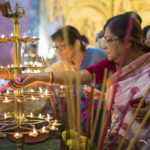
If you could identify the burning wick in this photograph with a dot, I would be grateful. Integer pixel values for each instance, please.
(43, 130)
(3, 35)
(40, 116)
(34, 37)
(55, 123)
(46, 92)
(5, 116)
(32, 90)
(11, 34)
(53, 128)
(31, 115)
(48, 117)
(40, 90)
(6, 101)
(17, 135)
(34, 99)
(7, 92)
(33, 133)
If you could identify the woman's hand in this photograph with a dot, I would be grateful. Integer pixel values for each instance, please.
(25, 81)
(29, 80)
(142, 112)
(97, 93)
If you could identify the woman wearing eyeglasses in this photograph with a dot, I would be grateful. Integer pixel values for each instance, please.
(74, 55)
(133, 82)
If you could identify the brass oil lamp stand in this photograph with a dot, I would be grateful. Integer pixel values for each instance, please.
(17, 63)
(20, 124)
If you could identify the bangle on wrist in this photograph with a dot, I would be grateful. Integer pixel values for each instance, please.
(51, 77)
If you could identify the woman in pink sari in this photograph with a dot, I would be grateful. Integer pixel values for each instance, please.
(132, 84)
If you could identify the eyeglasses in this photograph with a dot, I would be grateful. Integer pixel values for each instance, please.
(109, 40)
(59, 48)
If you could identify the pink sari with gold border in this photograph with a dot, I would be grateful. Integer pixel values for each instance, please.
(134, 77)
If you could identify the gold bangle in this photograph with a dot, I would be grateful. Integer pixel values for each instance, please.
(50, 77)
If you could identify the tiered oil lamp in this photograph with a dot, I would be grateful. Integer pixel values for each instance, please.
(20, 124)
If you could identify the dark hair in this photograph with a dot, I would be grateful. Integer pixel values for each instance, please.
(69, 34)
(145, 30)
(100, 35)
(84, 39)
(137, 16)
(118, 26)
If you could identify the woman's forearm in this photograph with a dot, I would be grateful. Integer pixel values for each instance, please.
(63, 78)
(70, 77)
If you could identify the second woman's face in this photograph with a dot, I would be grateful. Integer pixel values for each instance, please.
(65, 51)
(113, 46)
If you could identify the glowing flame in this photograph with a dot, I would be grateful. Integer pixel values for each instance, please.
(34, 131)
(5, 116)
(31, 115)
(6, 100)
(34, 37)
(43, 129)
(3, 35)
(46, 92)
(7, 92)
(11, 34)
(40, 115)
(53, 127)
(33, 98)
(40, 90)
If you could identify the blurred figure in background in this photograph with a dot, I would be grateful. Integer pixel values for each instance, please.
(85, 41)
(100, 40)
(146, 32)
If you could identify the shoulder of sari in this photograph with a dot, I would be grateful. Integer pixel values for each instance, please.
(141, 62)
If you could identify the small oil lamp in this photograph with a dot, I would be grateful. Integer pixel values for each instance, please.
(33, 133)
(32, 90)
(17, 135)
(43, 130)
(40, 89)
(46, 91)
(31, 115)
(40, 116)
(34, 37)
(5, 116)
(3, 36)
(34, 98)
(6, 101)
(53, 128)
(3, 39)
(7, 92)
(11, 34)
(48, 117)
(56, 123)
